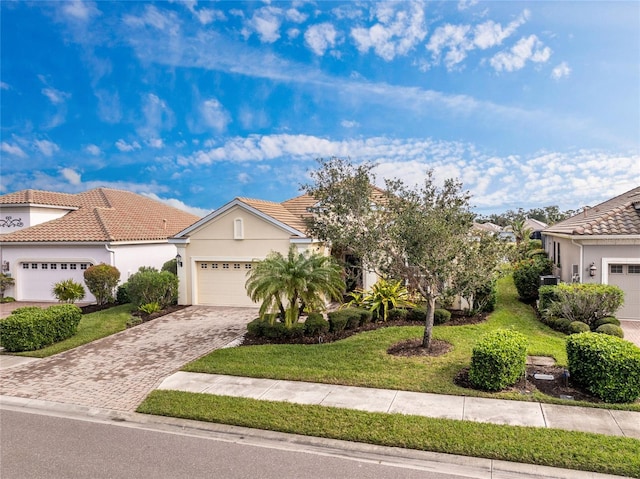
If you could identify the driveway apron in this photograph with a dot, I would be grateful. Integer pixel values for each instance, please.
(118, 372)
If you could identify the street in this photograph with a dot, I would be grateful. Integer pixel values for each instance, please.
(44, 446)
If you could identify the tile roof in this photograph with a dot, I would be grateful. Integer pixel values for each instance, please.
(102, 214)
(617, 216)
(277, 211)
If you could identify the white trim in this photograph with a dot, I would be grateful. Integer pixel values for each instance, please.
(211, 216)
(55, 260)
(607, 261)
(238, 229)
(180, 241)
(227, 259)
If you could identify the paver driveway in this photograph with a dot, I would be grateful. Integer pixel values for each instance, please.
(117, 372)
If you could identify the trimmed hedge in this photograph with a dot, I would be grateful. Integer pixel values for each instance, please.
(337, 321)
(419, 313)
(578, 327)
(611, 330)
(31, 328)
(526, 276)
(498, 360)
(547, 294)
(397, 314)
(606, 366)
(607, 320)
(315, 325)
(441, 316)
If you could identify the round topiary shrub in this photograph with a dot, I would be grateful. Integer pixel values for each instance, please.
(606, 320)
(441, 316)
(337, 321)
(578, 327)
(498, 360)
(255, 327)
(606, 366)
(419, 313)
(315, 325)
(559, 324)
(397, 314)
(611, 330)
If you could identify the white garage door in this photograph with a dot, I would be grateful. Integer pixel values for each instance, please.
(35, 279)
(627, 277)
(222, 283)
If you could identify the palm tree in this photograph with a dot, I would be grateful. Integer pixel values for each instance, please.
(288, 285)
(520, 231)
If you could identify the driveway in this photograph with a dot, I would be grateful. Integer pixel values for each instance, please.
(119, 371)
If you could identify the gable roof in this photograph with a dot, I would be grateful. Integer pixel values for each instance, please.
(615, 217)
(100, 215)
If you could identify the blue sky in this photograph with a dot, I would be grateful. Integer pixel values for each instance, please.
(529, 104)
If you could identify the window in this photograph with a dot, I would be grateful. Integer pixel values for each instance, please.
(615, 269)
(203, 265)
(236, 265)
(73, 266)
(54, 266)
(34, 265)
(247, 266)
(44, 266)
(63, 265)
(83, 265)
(214, 265)
(25, 265)
(238, 229)
(559, 262)
(634, 268)
(225, 265)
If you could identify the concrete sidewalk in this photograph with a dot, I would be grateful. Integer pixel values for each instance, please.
(496, 411)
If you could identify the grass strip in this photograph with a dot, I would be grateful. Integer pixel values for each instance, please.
(92, 326)
(548, 447)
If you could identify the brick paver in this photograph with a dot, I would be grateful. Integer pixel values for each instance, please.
(117, 372)
(631, 330)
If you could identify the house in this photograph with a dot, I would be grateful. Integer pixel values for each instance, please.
(217, 252)
(601, 245)
(46, 237)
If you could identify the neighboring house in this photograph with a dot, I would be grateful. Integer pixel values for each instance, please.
(218, 251)
(601, 245)
(536, 227)
(47, 237)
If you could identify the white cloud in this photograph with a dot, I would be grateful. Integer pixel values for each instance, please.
(464, 4)
(164, 21)
(266, 23)
(296, 16)
(55, 96)
(71, 176)
(14, 150)
(4, 86)
(126, 147)
(201, 212)
(80, 10)
(561, 71)
(214, 114)
(349, 123)
(397, 31)
(244, 178)
(320, 37)
(93, 150)
(109, 109)
(526, 49)
(205, 15)
(157, 143)
(157, 116)
(46, 147)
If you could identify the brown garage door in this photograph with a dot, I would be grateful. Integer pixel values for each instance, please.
(221, 283)
(627, 277)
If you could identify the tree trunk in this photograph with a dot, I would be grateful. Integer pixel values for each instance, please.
(428, 324)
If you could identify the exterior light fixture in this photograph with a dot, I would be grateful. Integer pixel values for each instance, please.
(592, 269)
(179, 260)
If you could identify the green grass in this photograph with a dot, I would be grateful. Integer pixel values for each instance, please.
(92, 326)
(549, 447)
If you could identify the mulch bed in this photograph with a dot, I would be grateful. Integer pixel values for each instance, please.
(559, 387)
(413, 347)
(148, 317)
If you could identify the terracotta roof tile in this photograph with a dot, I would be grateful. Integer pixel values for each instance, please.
(617, 216)
(277, 211)
(103, 214)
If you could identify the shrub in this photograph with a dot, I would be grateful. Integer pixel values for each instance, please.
(26, 309)
(366, 316)
(578, 327)
(102, 279)
(68, 291)
(122, 294)
(295, 331)
(6, 282)
(255, 327)
(611, 330)
(276, 330)
(7, 299)
(152, 286)
(386, 295)
(419, 313)
(32, 328)
(485, 297)
(606, 366)
(337, 321)
(498, 360)
(150, 308)
(607, 320)
(171, 266)
(547, 295)
(526, 276)
(315, 325)
(586, 302)
(397, 314)
(441, 316)
(353, 318)
(133, 321)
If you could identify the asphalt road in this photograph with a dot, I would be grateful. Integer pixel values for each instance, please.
(45, 446)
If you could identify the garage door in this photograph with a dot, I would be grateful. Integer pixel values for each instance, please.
(222, 283)
(35, 279)
(627, 277)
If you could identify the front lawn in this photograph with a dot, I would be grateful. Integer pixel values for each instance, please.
(362, 360)
(92, 326)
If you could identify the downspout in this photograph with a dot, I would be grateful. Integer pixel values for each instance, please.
(573, 242)
(112, 254)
